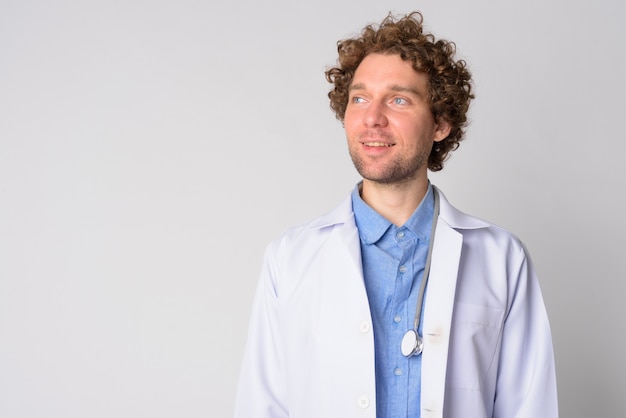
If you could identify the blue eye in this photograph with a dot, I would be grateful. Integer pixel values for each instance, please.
(357, 99)
(399, 101)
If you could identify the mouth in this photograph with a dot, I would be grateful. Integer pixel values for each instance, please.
(377, 144)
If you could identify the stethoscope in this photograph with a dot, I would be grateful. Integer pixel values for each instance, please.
(412, 343)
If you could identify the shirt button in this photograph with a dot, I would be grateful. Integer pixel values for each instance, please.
(397, 372)
(365, 327)
(400, 234)
(397, 319)
(402, 269)
(363, 402)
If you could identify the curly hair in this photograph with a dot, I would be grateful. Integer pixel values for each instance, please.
(450, 85)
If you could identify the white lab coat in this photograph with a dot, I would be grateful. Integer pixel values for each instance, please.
(310, 350)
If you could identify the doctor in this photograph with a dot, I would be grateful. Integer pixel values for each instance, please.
(396, 304)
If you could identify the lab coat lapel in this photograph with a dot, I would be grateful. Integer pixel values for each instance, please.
(438, 308)
(346, 246)
(344, 239)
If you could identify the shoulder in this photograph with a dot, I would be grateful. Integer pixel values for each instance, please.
(479, 232)
(312, 251)
(314, 232)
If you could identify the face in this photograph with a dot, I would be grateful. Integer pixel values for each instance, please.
(388, 122)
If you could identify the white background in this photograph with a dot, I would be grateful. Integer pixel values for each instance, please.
(149, 150)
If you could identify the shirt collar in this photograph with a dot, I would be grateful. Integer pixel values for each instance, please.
(372, 225)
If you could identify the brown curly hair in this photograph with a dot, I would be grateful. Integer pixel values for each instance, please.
(450, 85)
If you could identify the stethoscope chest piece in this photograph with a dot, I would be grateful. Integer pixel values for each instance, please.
(412, 344)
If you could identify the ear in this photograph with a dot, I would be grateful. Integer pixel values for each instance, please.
(442, 130)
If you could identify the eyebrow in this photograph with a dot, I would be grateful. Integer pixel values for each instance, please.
(393, 87)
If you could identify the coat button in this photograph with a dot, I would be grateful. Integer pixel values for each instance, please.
(365, 327)
(363, 402)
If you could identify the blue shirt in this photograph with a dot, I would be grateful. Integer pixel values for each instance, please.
(393, 264)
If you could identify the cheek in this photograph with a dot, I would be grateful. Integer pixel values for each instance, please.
(422, 129)
(350, 122)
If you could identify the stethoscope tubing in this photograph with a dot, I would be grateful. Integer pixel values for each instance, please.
(412, 341)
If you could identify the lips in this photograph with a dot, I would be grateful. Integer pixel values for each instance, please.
(377, 144)
(376, 139)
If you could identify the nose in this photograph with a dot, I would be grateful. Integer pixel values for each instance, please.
(375, 115)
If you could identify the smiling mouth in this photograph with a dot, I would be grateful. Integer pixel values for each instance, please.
(377, 144)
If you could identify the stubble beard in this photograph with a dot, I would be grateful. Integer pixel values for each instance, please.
(396, 172)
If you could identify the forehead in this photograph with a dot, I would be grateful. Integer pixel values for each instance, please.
(379, 70)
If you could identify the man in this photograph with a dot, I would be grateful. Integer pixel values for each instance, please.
(396, 304)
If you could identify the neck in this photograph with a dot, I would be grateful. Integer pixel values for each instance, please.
(395, 202)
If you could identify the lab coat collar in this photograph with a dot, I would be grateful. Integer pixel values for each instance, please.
(448, 213)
